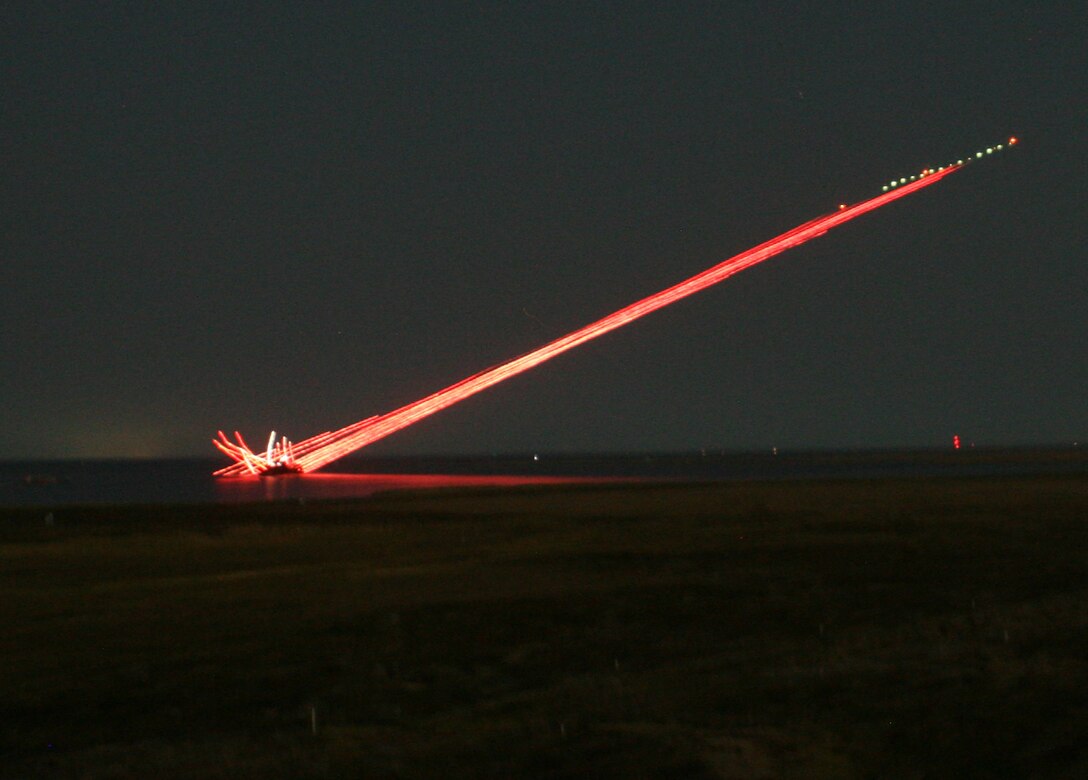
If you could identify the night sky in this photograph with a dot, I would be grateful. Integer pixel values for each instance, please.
(294, 215)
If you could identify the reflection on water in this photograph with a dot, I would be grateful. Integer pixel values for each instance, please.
(65, 483)
(329, 486)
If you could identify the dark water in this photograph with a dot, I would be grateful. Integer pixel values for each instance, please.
(57, 483)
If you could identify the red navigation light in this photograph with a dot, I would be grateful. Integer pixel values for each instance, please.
(1012, 141)
(956, 442)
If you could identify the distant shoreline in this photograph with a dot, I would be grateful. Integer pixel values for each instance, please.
(190, 481)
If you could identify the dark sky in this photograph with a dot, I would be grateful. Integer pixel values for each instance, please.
(294, 215)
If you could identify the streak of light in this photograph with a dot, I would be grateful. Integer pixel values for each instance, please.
(324, 448)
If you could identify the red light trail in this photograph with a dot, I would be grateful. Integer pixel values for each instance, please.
(322, 449)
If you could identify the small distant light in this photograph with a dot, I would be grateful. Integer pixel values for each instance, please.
(902, 181)
(978, 154)
(990, 150)
(1012, 140)
(1000, 146)
(959, 162)
(842, 206)
(885, 188)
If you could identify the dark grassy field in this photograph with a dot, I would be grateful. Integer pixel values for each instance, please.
(913, 628)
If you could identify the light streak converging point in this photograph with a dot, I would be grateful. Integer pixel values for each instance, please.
(286, 457)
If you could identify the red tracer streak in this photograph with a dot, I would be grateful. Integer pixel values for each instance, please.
(320, 450)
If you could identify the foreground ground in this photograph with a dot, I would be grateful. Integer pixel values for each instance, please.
(858, 628)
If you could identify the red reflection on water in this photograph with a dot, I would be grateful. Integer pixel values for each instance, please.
(339, 486)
